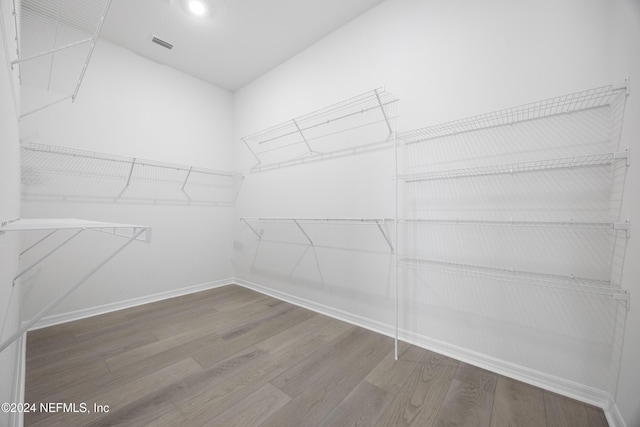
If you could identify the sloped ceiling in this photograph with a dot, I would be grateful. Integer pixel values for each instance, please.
(235, 42)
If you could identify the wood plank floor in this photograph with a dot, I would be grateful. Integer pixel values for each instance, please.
(233, 357)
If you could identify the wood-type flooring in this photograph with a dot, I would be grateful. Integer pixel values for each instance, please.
(233, 357)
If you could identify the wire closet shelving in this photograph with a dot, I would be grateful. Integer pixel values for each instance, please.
(429, 174)
(77, 226)
(55, 42)
(300, 223)
(331, 132)
(50, 172)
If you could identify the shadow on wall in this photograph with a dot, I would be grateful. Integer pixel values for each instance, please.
(347, 258)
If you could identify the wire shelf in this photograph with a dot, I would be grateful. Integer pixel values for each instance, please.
(548, 224)
(533, 166)
(569, 282)
(579, 101)
(301, 222)
(59, 172)
(55, 42)
(326, 133)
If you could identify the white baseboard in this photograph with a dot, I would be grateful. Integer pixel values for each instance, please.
(17, 418)
(120, 305)
(354, 319)
(552, 383)
(614, 417)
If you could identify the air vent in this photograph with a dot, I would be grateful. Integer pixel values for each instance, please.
(158, 40)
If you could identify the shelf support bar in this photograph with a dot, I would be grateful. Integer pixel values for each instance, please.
(46, 256)
(251, 228)
(252, 152)
(384, 113)
(302, 230)
(623, 226)
(50, 51)
(133, 164)
(624, 296)
(26, 325)
(55, 40)
(37, 243)
(93, 45)
(185, 182)
(45, 106)
(302, 135)
(386, 238)
(622, 155)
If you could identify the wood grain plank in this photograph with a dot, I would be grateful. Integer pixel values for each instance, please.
(517, 404)
(417, 402)
(246, 335)
(595, 417)
(391, 374)
(300, 377)
(289, 335)
(202, 407)
(361, 408)
(351, 363)
(469, 400)
(252, 410)
(117, 397)
(564, 412)
(148, 407)
(94, 349)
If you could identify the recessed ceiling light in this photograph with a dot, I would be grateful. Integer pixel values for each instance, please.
(197, 7)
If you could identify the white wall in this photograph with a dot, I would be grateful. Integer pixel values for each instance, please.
(9, 209)
(444, 60)
(625, 59)
(133, 107)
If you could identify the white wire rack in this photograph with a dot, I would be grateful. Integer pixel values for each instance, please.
(300, 223)
(50, 172)
(130, 232)
(56, 39)
(582, 133)
(534, 166)
(600, 287)
(589, 99)
(594, 225)
(355, 125)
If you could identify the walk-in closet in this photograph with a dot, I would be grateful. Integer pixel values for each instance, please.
(319, 213)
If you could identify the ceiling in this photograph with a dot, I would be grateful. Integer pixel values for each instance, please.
(235, 42)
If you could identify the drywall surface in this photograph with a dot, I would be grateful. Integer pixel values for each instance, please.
(9, 210)
(625, 58)
(129, 106)
(444, 61)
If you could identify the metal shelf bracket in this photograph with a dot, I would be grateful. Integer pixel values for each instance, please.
(623, 226)
(624, 296)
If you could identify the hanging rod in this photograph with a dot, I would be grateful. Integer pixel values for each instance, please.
(579, 101)
(539, 165)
